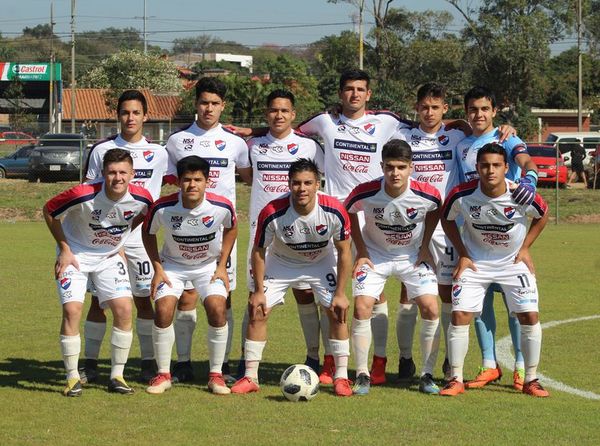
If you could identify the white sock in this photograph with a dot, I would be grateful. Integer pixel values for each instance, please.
(185, 324)
(253, 351)
(531, 346)
(93, 333)
(324, 323)
(144, 333)
(430, 344)
(361, 342)
(341, 353)
(309, 320)
(217, 344)
(406, 320)
(70, 346)
(163, 340)
(445, 318)
(379, 327)
(458, 345)
(120, 343)
(229, 334)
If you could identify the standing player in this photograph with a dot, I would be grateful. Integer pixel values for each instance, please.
(150, 165)
(271, 156)
(90, 223)
(480, 107)
(225, 153)
(493, 248)
(193, 251)
(400, 217)
(297, 230)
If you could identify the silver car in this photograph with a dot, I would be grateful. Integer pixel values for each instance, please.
(57, 157)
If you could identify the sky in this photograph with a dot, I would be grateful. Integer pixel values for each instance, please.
(171, 19)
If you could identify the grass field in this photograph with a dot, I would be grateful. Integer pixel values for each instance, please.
(32, 376)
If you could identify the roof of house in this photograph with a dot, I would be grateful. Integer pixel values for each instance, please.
(90, 104)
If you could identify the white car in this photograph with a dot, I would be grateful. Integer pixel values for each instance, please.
(566, 140)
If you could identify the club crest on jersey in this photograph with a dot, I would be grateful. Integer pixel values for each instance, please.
(208, 221)
(369, 128)
(219, 144)
(411, 213)
(65, 283)
(292, 148)
(509, 212)
(361, 275)
(148, 155)
(321, 229)
(456, 289)
(443, 139)
(128, 215)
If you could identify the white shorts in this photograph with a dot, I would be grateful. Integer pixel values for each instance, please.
(249, 275)
(320, 276)
(140, 270)
(179, 276)
(109, 276)
(445, 257)
(419, 280)
(517, 283)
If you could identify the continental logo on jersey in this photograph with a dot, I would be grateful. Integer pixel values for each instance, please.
(190, 240)
(396, 228)
(321, 229)
(509, 211)
(208, 221)
(220, 144)
(436, 167)
(143, 173)
(361, 275)
(112, 230)
(292, 148)
(439, 155)
(369, 128)
(308, 246)
(444, 140)
(355, 146)
(65, 283)
(494, 228)
(148, 155)
(265, 165)
(411, 213)
(217, 162)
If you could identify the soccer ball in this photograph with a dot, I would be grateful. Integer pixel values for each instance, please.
(299, 383)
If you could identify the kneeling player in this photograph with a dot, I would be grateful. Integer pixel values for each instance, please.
(297, 230)
(400, 216)
(192, 252)
(90, 224)
(493, 248)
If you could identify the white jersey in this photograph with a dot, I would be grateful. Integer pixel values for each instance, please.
(352, 147)
(94, 225)
(271, 159)
(393, 227)
(192, 237)
(494, 228)
(222, 149)
(301, 239)
(149, 162)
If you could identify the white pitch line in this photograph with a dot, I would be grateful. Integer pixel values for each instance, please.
(505, 357)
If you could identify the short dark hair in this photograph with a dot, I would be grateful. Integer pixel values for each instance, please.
(302, 165)
(431, 89)
(116, 156)
(132, 95)
(281, 93)
(492, 147)
(211, 85)
(396, 149)
(478, 93)
(193, 163)
(353, 74)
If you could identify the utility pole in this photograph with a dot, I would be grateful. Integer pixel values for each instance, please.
(145, 35)
(51, 92)
(360, 33)
(73, 81)
(580, 69)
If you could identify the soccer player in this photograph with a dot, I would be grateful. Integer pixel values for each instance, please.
(90, 223)
(271, 156)
(400, 217)
(226, 153)
(292, 246)
(150, 165)
(493, 248)
(193, 251)
(480, 107)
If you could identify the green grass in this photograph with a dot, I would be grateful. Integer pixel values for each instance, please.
(31, 373)
(574, 205)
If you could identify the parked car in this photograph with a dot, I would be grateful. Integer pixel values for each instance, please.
(17, 138)
(57, 157)
(565, 141)
(544, 156)
(16, 165)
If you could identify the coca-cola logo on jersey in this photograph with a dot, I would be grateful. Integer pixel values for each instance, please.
(435, 178)
(276, 188)
(358, 168)
(434, 167)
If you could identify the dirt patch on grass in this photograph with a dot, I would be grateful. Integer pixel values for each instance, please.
(10, 215)
(588, 219)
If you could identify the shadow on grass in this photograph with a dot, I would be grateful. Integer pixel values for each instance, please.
(31, 374)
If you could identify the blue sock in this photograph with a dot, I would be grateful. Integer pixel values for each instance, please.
(485, 328)
(515, 334)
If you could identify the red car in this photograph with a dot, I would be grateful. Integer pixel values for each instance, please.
(17, 138)
(544, 156)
